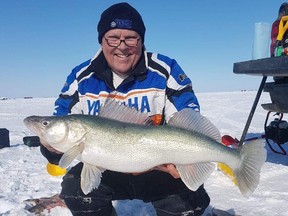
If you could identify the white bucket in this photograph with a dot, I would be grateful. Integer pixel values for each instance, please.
(261, 42)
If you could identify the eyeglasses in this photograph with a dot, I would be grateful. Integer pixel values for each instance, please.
(129, 42)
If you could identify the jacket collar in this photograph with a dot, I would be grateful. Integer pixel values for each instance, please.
(101, 70)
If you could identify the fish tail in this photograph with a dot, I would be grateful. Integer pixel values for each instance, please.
(253, 156)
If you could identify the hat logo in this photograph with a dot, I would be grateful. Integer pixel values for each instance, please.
(113, 24)
(122, 24)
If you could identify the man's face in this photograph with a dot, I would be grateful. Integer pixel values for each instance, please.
(122, 59)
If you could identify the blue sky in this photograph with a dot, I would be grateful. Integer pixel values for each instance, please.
(41, 41)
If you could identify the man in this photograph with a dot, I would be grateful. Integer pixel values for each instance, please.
(283, 11)
(151, 83)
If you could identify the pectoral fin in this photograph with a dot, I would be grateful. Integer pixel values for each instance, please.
(194, 175)
(90, 177)
(70, 155)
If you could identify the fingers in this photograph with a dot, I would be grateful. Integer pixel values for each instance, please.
(173, 171)
(169, 168)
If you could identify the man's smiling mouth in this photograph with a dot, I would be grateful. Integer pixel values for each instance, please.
(122, 55)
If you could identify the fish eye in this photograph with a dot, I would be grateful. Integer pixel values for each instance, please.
(45, 123)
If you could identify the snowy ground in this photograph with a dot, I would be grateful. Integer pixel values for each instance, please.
(23, 170)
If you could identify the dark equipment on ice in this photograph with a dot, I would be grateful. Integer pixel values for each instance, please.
(4, 138)
(277, 67)
(277, 131)
(31, 141)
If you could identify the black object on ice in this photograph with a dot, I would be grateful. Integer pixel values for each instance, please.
(31, 141)
(4, 138)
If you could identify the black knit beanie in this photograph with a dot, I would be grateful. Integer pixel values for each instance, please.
(121, 16)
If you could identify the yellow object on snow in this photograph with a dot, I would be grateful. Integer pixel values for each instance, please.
(227, 171)
(55, 170)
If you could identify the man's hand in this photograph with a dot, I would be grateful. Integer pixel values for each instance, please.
(169, 168)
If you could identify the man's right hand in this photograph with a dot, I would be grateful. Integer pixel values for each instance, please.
(51, 154)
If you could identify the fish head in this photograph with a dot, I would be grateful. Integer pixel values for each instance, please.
(56, 131)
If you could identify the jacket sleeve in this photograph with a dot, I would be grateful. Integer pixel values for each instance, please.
(68, 100)
(67, 103)
(274, 34)
(179, 91)
(52, 157)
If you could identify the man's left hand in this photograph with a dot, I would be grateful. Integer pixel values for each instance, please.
(169, 168)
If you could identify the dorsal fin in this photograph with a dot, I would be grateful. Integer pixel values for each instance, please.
(117, 111)
(192, 120)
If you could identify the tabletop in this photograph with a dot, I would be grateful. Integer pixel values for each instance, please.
(274, 66)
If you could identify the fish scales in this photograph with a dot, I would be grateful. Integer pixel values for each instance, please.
(108, 139)
(190, 141)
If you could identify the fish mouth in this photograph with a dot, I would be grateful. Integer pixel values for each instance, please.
(29, 122)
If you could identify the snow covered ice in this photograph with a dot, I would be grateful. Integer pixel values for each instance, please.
(23, 169)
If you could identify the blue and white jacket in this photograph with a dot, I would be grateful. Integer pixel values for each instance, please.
(157, 86)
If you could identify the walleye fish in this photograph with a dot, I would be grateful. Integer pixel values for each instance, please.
(190, 141)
